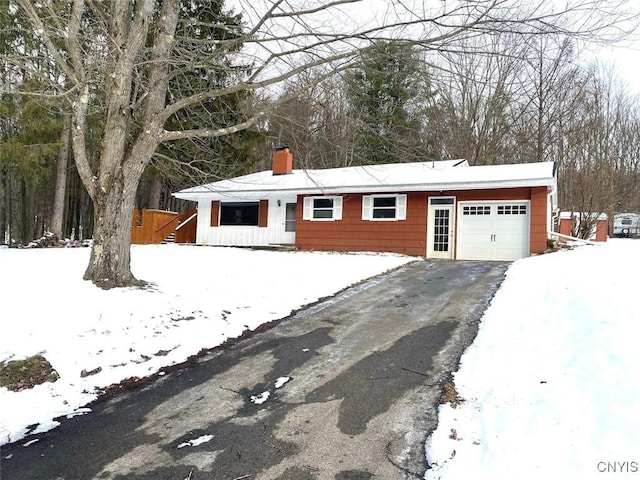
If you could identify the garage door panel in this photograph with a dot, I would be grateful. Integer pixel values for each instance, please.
(493, 230)
(475, 224)
(475, 252)
(508, 253)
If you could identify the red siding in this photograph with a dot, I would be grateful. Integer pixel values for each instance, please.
(564, 228)
(538, 225)
(215, 213)
(263, 213)
(408, 236)
(602, 230)
(353, 234)
(488, 194)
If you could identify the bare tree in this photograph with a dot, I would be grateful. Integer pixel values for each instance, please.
(477, 95)
(591, 142)
(130, 62)
(551, 75)
(61, 177)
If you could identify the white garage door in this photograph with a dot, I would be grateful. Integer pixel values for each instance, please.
(493, 230)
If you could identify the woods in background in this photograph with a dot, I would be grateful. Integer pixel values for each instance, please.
(113, 105)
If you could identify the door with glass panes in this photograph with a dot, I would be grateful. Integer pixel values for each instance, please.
(440, 227)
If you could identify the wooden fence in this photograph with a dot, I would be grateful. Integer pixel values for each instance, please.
(157, 226)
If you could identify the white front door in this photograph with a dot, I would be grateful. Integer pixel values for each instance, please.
(282, 220)
(440, 227)
(290, 223)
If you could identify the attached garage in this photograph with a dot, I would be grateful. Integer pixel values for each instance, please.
(440, 210)
(493, 230)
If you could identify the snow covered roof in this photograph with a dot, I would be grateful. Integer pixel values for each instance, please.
(418, 176)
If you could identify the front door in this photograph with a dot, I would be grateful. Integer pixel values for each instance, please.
(440, 227)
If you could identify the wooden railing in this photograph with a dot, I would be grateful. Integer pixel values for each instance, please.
(156, 225)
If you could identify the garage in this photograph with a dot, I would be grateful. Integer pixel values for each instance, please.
(493, 230)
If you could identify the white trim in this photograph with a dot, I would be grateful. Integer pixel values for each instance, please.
(187, 221)
(329, 191)
(367, 207)
(308, 208)
(400, 208)
(430, 253)
(526, 245)
(390, 178)
(569, 237)
(337, 208)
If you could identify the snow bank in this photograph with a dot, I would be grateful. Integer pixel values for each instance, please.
(551, 383)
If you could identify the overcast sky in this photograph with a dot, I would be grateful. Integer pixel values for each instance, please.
(624, 59)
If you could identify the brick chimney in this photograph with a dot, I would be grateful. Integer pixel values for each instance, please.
(282, 161)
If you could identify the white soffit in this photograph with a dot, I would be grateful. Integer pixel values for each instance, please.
(422, 176)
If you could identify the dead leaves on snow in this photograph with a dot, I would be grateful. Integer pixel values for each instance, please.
(450, 395)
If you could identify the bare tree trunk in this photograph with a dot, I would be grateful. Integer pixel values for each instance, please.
(109, 264)
(611, 204)
(155, 192)
(25, 231)
(8, 206)
(3, 205)
(61, 178)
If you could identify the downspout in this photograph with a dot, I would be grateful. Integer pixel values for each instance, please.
(555, 213)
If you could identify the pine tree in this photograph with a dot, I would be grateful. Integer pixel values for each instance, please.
(384, 95)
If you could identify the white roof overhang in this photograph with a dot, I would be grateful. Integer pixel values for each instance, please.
(375, 179)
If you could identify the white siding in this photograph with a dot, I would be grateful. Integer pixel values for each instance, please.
(245, 236)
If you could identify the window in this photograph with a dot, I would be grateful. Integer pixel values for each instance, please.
(322, 208)
(512, 209)
(441, 225)
(384, 207)
(476, 210)
(441, 201)
(239, 213)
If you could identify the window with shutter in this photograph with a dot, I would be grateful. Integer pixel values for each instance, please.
(384, 207)
(322, 208)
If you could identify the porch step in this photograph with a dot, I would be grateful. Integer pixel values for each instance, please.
(171, 238)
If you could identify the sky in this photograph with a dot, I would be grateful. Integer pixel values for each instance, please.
(358, 15)
(625, 61)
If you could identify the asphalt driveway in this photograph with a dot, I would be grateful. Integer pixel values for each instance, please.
(346, 389)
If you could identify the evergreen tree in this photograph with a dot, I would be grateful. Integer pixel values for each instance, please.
(181, 163)
(385, 94)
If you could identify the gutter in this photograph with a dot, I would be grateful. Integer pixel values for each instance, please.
(347, 189)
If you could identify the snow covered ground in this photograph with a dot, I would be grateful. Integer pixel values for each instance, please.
(199, 297)
(551, 385)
